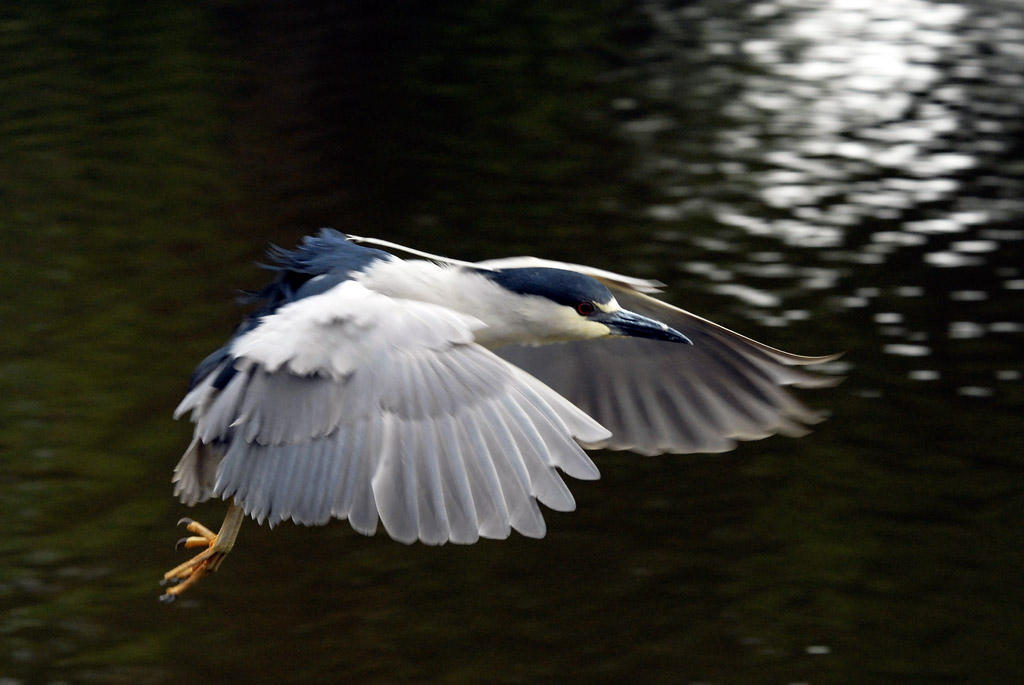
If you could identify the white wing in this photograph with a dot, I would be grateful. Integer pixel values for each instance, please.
(658, 397)
(352, 404)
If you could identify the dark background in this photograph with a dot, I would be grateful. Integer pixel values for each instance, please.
(822, 176)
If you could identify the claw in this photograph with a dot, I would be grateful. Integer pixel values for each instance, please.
(217, 545)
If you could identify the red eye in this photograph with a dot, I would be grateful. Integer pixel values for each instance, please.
(585, 308)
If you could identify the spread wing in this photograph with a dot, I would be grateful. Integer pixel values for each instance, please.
(658, 397)
(355, 405)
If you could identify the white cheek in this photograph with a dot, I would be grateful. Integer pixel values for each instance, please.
(584, 329)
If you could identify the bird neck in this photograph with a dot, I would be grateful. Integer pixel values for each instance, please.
(508, 319)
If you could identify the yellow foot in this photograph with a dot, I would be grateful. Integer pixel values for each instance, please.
(217, 545)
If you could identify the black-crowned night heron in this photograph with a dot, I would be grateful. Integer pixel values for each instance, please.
(443, 397)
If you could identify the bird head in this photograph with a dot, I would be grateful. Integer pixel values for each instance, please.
(539, 304)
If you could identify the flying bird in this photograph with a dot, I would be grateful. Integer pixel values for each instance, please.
(444, 399)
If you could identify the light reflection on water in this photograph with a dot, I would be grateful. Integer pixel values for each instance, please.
(845, 80)
(859, 127)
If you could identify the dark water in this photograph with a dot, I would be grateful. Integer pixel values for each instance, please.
(823, 176)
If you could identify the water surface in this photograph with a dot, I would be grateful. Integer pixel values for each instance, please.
(823, 176)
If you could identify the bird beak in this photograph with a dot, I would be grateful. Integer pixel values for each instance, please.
(626, 324)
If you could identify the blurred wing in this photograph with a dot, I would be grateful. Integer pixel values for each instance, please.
(609, 278)
(352, 404)
(637, 284)
(658, 397)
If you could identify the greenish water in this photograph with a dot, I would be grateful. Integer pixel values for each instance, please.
(820, 175)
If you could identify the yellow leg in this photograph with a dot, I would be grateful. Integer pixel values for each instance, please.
(217, 545)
